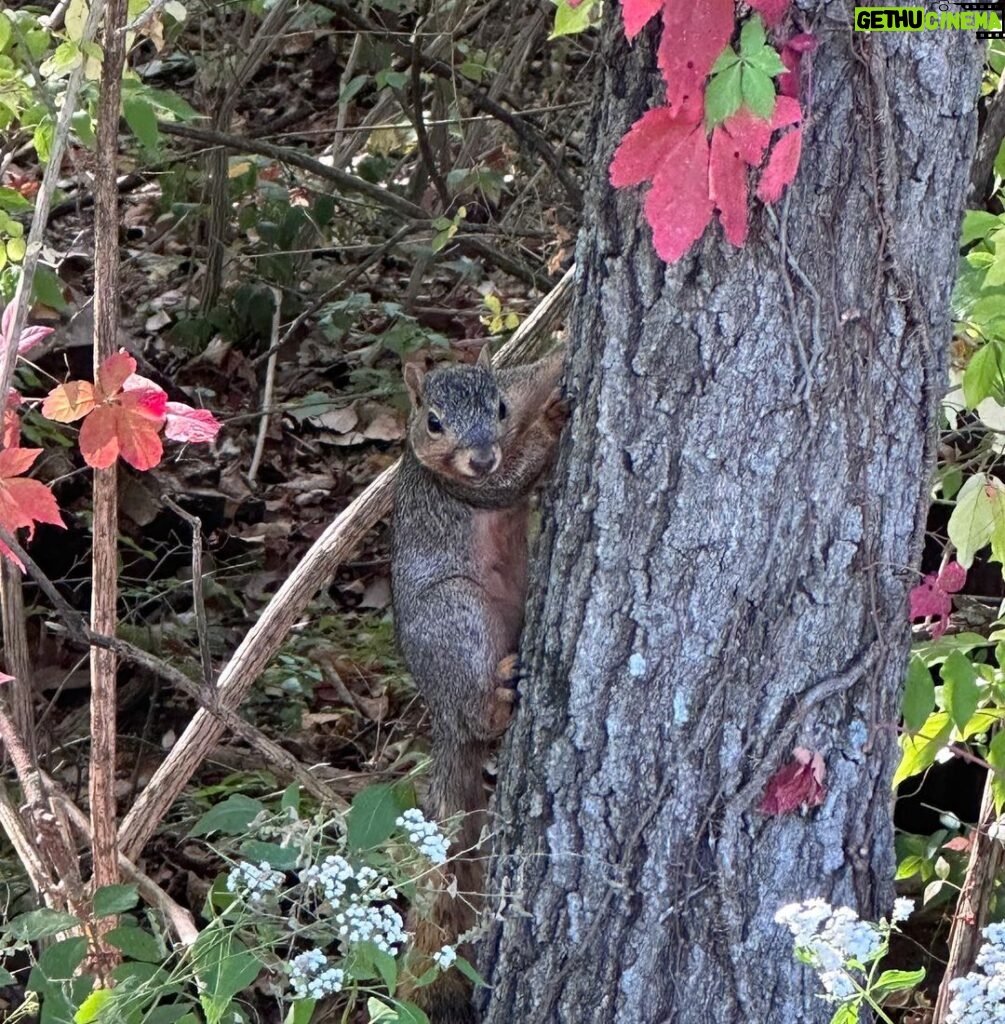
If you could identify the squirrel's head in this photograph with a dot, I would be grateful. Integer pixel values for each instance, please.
(458, 419)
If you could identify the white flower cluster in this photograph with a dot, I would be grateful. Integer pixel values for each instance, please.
(330, 876)
(903, 908)
(312, 978)
(445, 957)
(980, 998)
(253, 882)
(831, 937)
(358, 899)
(424, 835)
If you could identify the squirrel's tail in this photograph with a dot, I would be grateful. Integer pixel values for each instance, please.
(456, 787)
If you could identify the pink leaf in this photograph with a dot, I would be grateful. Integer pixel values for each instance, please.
(931, 598)
(792, 53)
(30, 336)
(798, 784)
(636, 13)
(782, 166)
(727, 186)
(183, 423)
(694, 34)
(751, 135)
(771, 10)
(649, 143)
(678, 206)
(4, 678)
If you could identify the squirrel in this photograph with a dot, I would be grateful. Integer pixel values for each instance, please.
(478, 441)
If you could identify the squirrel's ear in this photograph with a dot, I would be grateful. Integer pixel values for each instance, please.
(485, 356)
(414, 376)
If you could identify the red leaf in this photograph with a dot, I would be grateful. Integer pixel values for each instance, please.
(4, 678)
(792, 53)
(787, 111)
(727, 186)
(931, 597)
(23, 502)
(678, 206)
(113, 373)
(771, 10)
(751, 135)
(99, 439)
(694, 34)
(782, 166)
(183, 423)
(649, 143)
(797, 784)
(636, 13)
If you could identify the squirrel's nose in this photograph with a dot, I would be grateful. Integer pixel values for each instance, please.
(483, 460)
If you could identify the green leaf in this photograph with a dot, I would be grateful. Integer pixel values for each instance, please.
(766, 60)
(726, 59)
(291, 795)
(758, 92)
(950, 481)
(935, 652)
(470, 973)
(39, 924)
(996, 758)
(5, 31)
(982, 375)
(961, 693)
(224, 966)
(752, 36)
(48, 288)
(42, 138)
(136, 943)
(59, 961)
(115, 899)
(10, 199)
(379, 1012)
(919, 695)
(370, 819)
(171, 103)
(64, 59)
(723, 95)
(409, 1013)
(280, 858)
(91, 1007)
(910, 866)
(6, 978)
(918, 751)
(352, 87)
(231, 817)
(896, 981)
(139, 114)
(386, 78)
(387, 968)
(973, 520)
(978, 224)
(846, 1014)
(571, 20)
(301, 1011)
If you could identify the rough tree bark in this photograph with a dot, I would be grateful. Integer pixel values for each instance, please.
(731, 534)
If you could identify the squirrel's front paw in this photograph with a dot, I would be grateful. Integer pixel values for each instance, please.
(505, 695)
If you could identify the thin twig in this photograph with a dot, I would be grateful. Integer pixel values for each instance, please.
(198, 596)
(270, 383)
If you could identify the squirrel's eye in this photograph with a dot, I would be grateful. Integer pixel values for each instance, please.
(433, 424)
(503, 411)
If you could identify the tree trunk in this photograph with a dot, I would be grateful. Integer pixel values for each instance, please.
(731, 534)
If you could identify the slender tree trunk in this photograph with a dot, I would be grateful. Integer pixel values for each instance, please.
(728, 547)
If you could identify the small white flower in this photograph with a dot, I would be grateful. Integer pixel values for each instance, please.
(445, 957)
(903, 908)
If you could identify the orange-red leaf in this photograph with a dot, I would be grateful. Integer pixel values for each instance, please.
(24, 502)
(69, 401)
(183, 423)
(782, 166)
(649, 143)
(727, 185)
(694, 34)
(636, 13)
(113, 372)
(678, 206)
(126, 429)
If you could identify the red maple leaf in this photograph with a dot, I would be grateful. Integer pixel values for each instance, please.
(932, 597)
(636, 13)
(727, 185)
(772, 10)
(678, 206)
(792, 54)
(118, 420)
(694, 34)
(800, 783)
(782, 166)
(23, 502)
